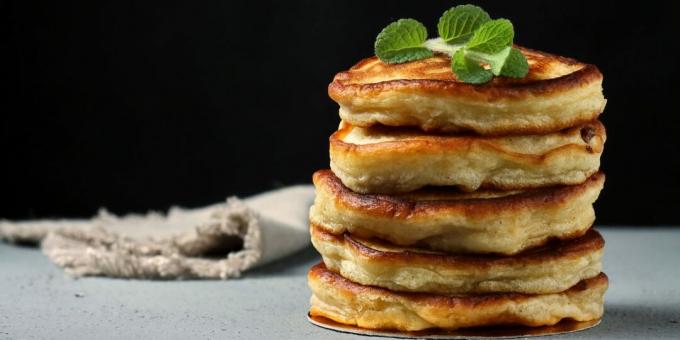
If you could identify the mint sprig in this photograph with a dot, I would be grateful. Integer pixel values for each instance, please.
(480, 48)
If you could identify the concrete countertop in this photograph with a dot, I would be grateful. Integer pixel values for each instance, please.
(38, 301)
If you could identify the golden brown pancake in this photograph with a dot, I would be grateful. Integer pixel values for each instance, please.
(390, 160)
(447, 219)
(557, 93)
(549, 269)
(343, 301)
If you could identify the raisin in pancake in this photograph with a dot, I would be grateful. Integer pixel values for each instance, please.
(447, 219)
(391, 160)
(557, 93)
(343, 301)
(550, 269)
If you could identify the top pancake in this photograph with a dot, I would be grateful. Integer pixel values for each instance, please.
(557, 93)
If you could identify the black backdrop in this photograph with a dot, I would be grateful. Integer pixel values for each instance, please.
(135, 105)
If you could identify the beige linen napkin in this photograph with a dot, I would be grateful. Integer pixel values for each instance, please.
(215, 242)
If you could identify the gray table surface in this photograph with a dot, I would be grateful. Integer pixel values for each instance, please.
(37, 300)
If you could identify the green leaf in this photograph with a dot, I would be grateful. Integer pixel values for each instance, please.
(402, 41)
(458, 23)
(516, 65)
(468, 70)
(492, 37)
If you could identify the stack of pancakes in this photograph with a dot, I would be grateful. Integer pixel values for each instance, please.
(453, 205)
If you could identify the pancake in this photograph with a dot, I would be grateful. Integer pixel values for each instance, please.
(343, 301)
(556, 94)
(390, 160)
(446, 219)
(550, 269)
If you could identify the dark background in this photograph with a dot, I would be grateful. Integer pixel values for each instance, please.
(135, 105)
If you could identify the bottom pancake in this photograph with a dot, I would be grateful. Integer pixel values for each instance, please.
(498, 332)
(343, 301)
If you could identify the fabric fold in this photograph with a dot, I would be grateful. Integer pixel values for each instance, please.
(215, 242)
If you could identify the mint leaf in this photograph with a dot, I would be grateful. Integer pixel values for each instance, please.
(492, 37)
(516, 65)
(468, 70)
(402, 41)
(458, 23)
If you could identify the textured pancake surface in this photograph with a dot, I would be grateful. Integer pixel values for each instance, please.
(550, 269)
(343, 301)
(557, 93)
(392, 160)
(450, 220)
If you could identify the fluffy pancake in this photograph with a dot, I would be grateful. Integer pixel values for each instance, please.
(343, 301)
(550, 269)
(557, 93)
(390, 160)
(447, 219)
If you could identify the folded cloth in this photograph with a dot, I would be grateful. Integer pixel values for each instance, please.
(215, 242)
